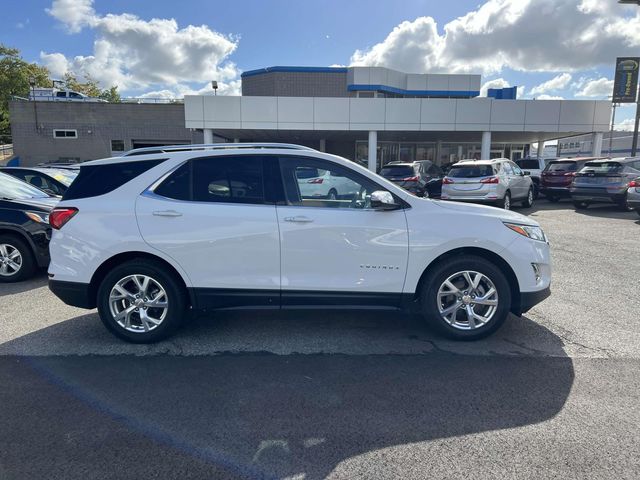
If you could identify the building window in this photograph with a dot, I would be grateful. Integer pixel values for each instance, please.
(65, 134)
(117, 145)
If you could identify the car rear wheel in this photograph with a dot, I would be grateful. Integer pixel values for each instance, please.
(140, 302)
(506, 201)
(581, 205)
(466, 298)
(16, 259)
(624, 206)
(528, 202)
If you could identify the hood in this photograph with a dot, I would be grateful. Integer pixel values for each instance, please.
(42, 203)
(486, 211)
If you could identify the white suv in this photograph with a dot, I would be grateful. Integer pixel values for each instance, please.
(145, 238)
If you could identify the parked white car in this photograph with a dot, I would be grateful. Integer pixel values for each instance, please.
(315, 183)
(498, 182)
(61, 95)
(146, 237)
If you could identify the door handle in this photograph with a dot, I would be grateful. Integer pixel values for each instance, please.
(298, 219)
(167, 213)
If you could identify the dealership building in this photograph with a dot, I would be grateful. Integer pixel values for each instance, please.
(372, 115)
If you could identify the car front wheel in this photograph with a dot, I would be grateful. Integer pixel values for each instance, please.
(528, 202)
(466, 298)
(141, 302)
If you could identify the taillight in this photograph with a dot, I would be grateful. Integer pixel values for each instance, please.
(490, 180)
(447, 181)
(315, 180)
(410, 179)
(634, 184)
(60, 216)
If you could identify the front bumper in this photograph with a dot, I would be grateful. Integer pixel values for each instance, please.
(530, 299)
(75, 294)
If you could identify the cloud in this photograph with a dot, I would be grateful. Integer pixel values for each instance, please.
(544, 96)
(495, 83)
(57, 64)
(625, 125)
(74, 14)
(602, 87)
(133, 53)
(224, 88)
(518, 34)
(556, 83)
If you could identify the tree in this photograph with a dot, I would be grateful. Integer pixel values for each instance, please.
(91, 88)
(15, 73)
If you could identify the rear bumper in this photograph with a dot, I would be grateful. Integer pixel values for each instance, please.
(555, 191)
(598, 195)
(73, 293)
(529, 299)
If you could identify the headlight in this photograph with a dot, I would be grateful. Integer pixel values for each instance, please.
(40, 217)
(534, 233)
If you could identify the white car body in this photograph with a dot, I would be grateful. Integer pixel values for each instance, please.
(284, 256)
(325, 184)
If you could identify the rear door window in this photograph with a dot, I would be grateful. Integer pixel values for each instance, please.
(471, 171)
(237, 179)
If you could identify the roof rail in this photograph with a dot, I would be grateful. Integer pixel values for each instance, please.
(211, 146)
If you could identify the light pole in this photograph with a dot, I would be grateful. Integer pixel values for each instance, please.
(32, 83)
(214, 85)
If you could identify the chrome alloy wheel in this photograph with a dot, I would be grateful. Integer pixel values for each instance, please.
(10, 260)
(467, 300)
(507, 202)
(138, 303)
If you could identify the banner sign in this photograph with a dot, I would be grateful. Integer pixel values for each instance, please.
(625, 87)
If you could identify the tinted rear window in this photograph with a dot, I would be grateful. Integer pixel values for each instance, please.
(396, 171)
(471, 171)
(528, 164)
(602, 167)
(95, 180)
(562, 167)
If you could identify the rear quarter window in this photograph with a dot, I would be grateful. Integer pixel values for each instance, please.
(96, 180)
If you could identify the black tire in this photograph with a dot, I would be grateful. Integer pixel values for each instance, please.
(175, 296)
(638, 211)
(441, 272)
(506, 201)
(624, 206)
(528, 202)
(332, 195)
(580, 205)
(536, 191)
(27, 264)
(553, 199)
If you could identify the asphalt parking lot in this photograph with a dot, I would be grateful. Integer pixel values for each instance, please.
(555, 394)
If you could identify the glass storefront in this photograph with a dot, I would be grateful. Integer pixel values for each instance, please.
(439, 152)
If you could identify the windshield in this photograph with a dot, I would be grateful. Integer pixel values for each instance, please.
(397, 171)
(11, 188)
(63, 176)
(562, 167)
(470, 171)
(602, 167)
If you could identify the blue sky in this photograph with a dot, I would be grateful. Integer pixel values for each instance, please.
(571, 44)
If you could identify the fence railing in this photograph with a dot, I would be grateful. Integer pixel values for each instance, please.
(99, 100)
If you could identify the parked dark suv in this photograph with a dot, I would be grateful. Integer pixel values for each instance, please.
(24, 228)
(557, 176)
(418, 177)
(605, 181)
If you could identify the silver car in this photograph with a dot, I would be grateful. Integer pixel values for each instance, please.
(633, 195)
(498, 182)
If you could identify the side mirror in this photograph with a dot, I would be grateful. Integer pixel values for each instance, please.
(382, 200)
(526, 172)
